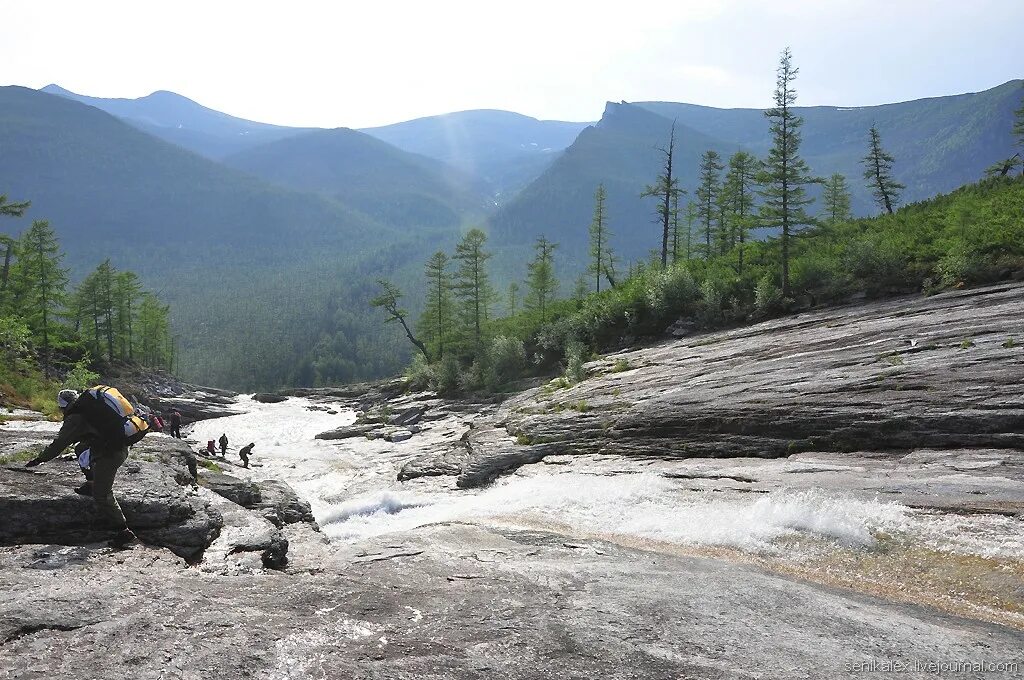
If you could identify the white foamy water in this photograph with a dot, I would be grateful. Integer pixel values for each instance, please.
(352, 488)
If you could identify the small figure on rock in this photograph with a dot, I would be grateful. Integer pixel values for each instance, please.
(223, 441)
(106, 455)
(210, 449)
(175, 424)
(244, 452)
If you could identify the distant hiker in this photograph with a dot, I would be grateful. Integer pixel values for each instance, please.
(159, 422)
(244, 452)
(106, 455)
(223, 441)
(175, 424)
(210, 448)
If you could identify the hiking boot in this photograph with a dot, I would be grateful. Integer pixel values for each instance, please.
(85, 489)
(124, 539)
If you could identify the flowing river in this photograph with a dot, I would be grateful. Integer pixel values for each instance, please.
(351, 485)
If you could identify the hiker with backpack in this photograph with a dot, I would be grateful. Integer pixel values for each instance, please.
(223, 441)
(104, 418)
(175, 424)
(244, 452)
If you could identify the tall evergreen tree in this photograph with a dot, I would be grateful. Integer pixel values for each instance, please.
(784, 174)
(739, 190)
(435, 325)
(600, 248)
(692, 213)
(390, 300)
(156, 345)
(513, 297)
(126, 290)
(472, 285)
(664, 188)
(708, 194)
(105, 304)
(8, 209)
(878, 172)
(1018, 126)
(542, 286)
(43, 284)
(836, 198)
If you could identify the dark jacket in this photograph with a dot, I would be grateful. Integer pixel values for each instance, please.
(73, 430)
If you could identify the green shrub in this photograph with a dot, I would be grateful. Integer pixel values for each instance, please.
(767, 297)
(447, 375)
(575, 355)
(959, 266)
(506, 359)
(80, 377)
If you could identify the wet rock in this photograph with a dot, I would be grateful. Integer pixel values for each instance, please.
(348, 431)
(240, 491)
(396, 436)
(247, 542)
(409, 416)
(269, 398)
(281, 505)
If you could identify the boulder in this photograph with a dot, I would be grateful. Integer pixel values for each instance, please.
(240, 491)
(269, 398)
(348, 431)
(153, 487)
(396, 436)
(275, 500)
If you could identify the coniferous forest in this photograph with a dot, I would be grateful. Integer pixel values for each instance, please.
(262, 249)
(705, 270)
(54, 332)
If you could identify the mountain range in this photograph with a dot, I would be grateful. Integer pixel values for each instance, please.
(266, 239)
(939, 144)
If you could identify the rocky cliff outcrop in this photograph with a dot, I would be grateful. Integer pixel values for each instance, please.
(154, 488)
(943, 372)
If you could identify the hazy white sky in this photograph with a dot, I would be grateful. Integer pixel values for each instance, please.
(373, 62)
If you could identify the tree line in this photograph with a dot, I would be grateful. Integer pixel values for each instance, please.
(106, 317)
(706, 263)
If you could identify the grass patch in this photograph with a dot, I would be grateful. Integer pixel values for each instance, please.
(621, 365)
(967, 343)
(19, 456)
(1010, 343)
(210, 465)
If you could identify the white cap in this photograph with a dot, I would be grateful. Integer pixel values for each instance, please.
(66, 398)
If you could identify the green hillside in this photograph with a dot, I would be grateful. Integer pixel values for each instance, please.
(939, 144)
(505, 150)
(181, 121)
(393, 186)
(246, 267)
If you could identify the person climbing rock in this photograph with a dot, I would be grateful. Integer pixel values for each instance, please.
(105, 457)
(175, 424)
(244, 452)
(223, 441)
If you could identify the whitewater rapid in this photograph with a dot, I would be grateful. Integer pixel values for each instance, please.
(354, 493)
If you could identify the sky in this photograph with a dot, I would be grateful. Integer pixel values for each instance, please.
(361, 63)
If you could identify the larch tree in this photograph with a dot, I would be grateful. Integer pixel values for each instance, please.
(8, 209)
(472, 285)
(542, 286)
(43, 284)
(600, 248)
(784, 175)
(740, 189)
(878, 172)
(390, 299)
(663, 189)
(708, 191)
(836, 199)
(1018, 128)
(435, 324)
(513, 298)
(126, 290)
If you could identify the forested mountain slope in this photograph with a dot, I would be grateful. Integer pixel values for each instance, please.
(504, 149)
(247, 267)
(181, 121)
(939, 144)
(396, 187)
